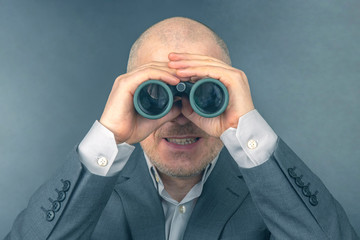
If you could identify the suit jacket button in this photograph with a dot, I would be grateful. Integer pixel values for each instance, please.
(61, 195)
(292, 172)
(306, 190)
(56, 205)
(50, 215)
(66, 185)
(299, 182)
(313, 199)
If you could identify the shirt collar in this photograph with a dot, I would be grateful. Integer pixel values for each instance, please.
(160, 186)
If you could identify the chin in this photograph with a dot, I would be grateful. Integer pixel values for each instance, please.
(179, 171)
(179, 164)
(181, 160)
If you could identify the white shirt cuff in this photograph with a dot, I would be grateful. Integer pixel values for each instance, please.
(252, 143)
(100, 154)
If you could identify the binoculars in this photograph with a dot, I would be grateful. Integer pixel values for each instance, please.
(208, 97)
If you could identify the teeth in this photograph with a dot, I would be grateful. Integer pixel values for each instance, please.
(182, 141)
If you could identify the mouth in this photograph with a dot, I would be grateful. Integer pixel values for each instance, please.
(183, 141)
(186, 143)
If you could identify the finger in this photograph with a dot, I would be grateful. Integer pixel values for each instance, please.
(189, 56)
(225, 75)
(189, 113)
(134, 79)
(186, 108)
(174, 113)
(196, 63)
(163, 67)
(158, 65)
(154, 63)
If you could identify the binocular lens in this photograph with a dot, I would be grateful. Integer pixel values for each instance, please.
(154, 99)
(209, 98)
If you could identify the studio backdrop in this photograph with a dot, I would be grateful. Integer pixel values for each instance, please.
(58, 61)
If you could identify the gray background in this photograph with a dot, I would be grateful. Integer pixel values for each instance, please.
(58, 60)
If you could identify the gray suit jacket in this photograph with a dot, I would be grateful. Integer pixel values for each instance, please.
(280, 199)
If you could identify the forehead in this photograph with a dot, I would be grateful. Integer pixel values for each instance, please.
(155, 50)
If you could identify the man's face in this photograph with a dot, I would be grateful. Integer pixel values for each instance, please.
(179, 148)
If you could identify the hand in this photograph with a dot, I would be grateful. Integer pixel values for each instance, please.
(199, 66)
(120, 116)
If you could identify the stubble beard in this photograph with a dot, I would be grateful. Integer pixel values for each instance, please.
(208, 155)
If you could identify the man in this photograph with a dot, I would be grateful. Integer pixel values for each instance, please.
(182, 183)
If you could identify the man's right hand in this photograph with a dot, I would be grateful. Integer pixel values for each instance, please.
(120, 116)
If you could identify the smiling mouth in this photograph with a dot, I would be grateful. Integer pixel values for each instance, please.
(182, 141)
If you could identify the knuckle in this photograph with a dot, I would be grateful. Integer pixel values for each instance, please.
(118, 80)
(148, 69)
(241, 73)
(121, 81)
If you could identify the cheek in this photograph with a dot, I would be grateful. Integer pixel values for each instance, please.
(214, 146)
(149, 142)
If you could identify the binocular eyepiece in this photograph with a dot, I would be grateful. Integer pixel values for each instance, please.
(208, 97)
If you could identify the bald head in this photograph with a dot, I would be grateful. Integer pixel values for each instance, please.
(177, 34)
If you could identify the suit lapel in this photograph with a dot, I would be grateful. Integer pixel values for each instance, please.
(141, 202)
(223, 193)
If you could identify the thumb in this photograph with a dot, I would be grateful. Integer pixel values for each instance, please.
(174, 113)
(188, 112)
(186, 108)
(150, 125)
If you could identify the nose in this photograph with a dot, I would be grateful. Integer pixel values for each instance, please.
(181, 120)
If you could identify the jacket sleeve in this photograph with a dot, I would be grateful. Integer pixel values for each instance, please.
(67, 206)
(293, 201)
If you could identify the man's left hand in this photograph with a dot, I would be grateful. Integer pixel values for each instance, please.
(199, 66)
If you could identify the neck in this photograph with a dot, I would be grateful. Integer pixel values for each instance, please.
(178, 187)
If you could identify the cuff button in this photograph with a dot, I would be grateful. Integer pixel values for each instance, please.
(252, 144)
(102, 161)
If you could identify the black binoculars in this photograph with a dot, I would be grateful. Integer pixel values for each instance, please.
(208, 97)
